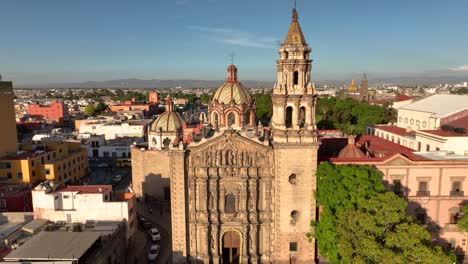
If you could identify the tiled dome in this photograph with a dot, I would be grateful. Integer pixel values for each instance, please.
(232, 90)
(169, 121)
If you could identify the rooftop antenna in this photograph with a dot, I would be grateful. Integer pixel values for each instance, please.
(232, 55)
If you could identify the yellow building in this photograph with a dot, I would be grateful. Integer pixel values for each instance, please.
(7, 116)
(61, 162)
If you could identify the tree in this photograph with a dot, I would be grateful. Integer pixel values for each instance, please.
(341, 188)
(351, 116)
(264, 107)
(89, 110)
(360, 222)
(463, 222)
(379, 231)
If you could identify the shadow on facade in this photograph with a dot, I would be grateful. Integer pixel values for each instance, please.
(156, 187)
(419, 212)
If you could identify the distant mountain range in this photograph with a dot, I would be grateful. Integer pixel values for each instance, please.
(425, 78)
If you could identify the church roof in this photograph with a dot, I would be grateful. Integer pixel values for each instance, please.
(232, 90)
(295, 35)
(351, 151)
(169, 121)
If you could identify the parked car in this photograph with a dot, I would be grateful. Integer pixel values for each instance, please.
(144, 223)
(102, 165)
(153, 253)
(155, 235)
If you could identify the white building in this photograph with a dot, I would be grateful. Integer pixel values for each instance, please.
(114, 129)
(79, 204)
(439, 122)
(98, 147)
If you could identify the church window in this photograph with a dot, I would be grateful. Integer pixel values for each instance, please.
(296, 78)
(289, 111)
(293, 178)
(293, 246)
(302, 116)
(216, 119)
(453, 215)
(231, 119)
(400, 118)
(294, 216)
(286, 55)
(230, 204)
(247, 118)
(154, 141)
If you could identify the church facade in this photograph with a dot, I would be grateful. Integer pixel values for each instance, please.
(240, 193)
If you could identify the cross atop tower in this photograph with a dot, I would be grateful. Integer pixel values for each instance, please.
(232, 55)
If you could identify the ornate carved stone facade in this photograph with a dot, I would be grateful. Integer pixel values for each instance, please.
(239, 196)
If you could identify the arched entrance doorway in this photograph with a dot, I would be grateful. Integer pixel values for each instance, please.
(231, 247)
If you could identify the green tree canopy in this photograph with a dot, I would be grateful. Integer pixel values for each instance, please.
(264, 107)
(360, 222)
(379, 231)
(351, 116)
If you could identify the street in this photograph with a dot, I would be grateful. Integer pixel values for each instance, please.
(102, 172)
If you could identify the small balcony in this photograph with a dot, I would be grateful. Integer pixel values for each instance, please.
(457, 193)
(423, 193)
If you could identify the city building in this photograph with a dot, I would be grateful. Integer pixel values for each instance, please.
(360, 93)
(98, 147)
(112, 129)
(8, 140)
(61, 162)
(55, 111)
(60, 243)
(149, 108)
(434, 182)
(15, 198)
(438, 122)
(71, 204)
(240, 194)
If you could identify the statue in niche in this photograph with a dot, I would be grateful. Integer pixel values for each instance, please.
(251, 201)
(212, 199)
(213, 242)
(251, 242)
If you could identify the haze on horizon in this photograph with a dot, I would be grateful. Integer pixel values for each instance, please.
(53, 41)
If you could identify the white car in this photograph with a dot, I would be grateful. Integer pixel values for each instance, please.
(153, 252)
(102, 165)
(155, 235)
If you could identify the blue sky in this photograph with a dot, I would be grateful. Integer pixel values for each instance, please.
(51, 41)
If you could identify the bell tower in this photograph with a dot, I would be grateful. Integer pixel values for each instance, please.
(295, 147)
(294, 95)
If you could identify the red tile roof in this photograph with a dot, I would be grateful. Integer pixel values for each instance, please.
(393, 129)
(442, 133)
(375, 148)
(87, 189)
(402, 97)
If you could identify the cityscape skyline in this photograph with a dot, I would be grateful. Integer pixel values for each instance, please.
(185, 39)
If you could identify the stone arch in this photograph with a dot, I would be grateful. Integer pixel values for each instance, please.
(202, 117)
(236, 240)
(295, 78)
(215, 117)
(302, 117)
(231, 118)
(247, 118)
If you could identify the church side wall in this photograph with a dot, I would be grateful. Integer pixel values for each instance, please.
(298, 197)
(150, 173)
